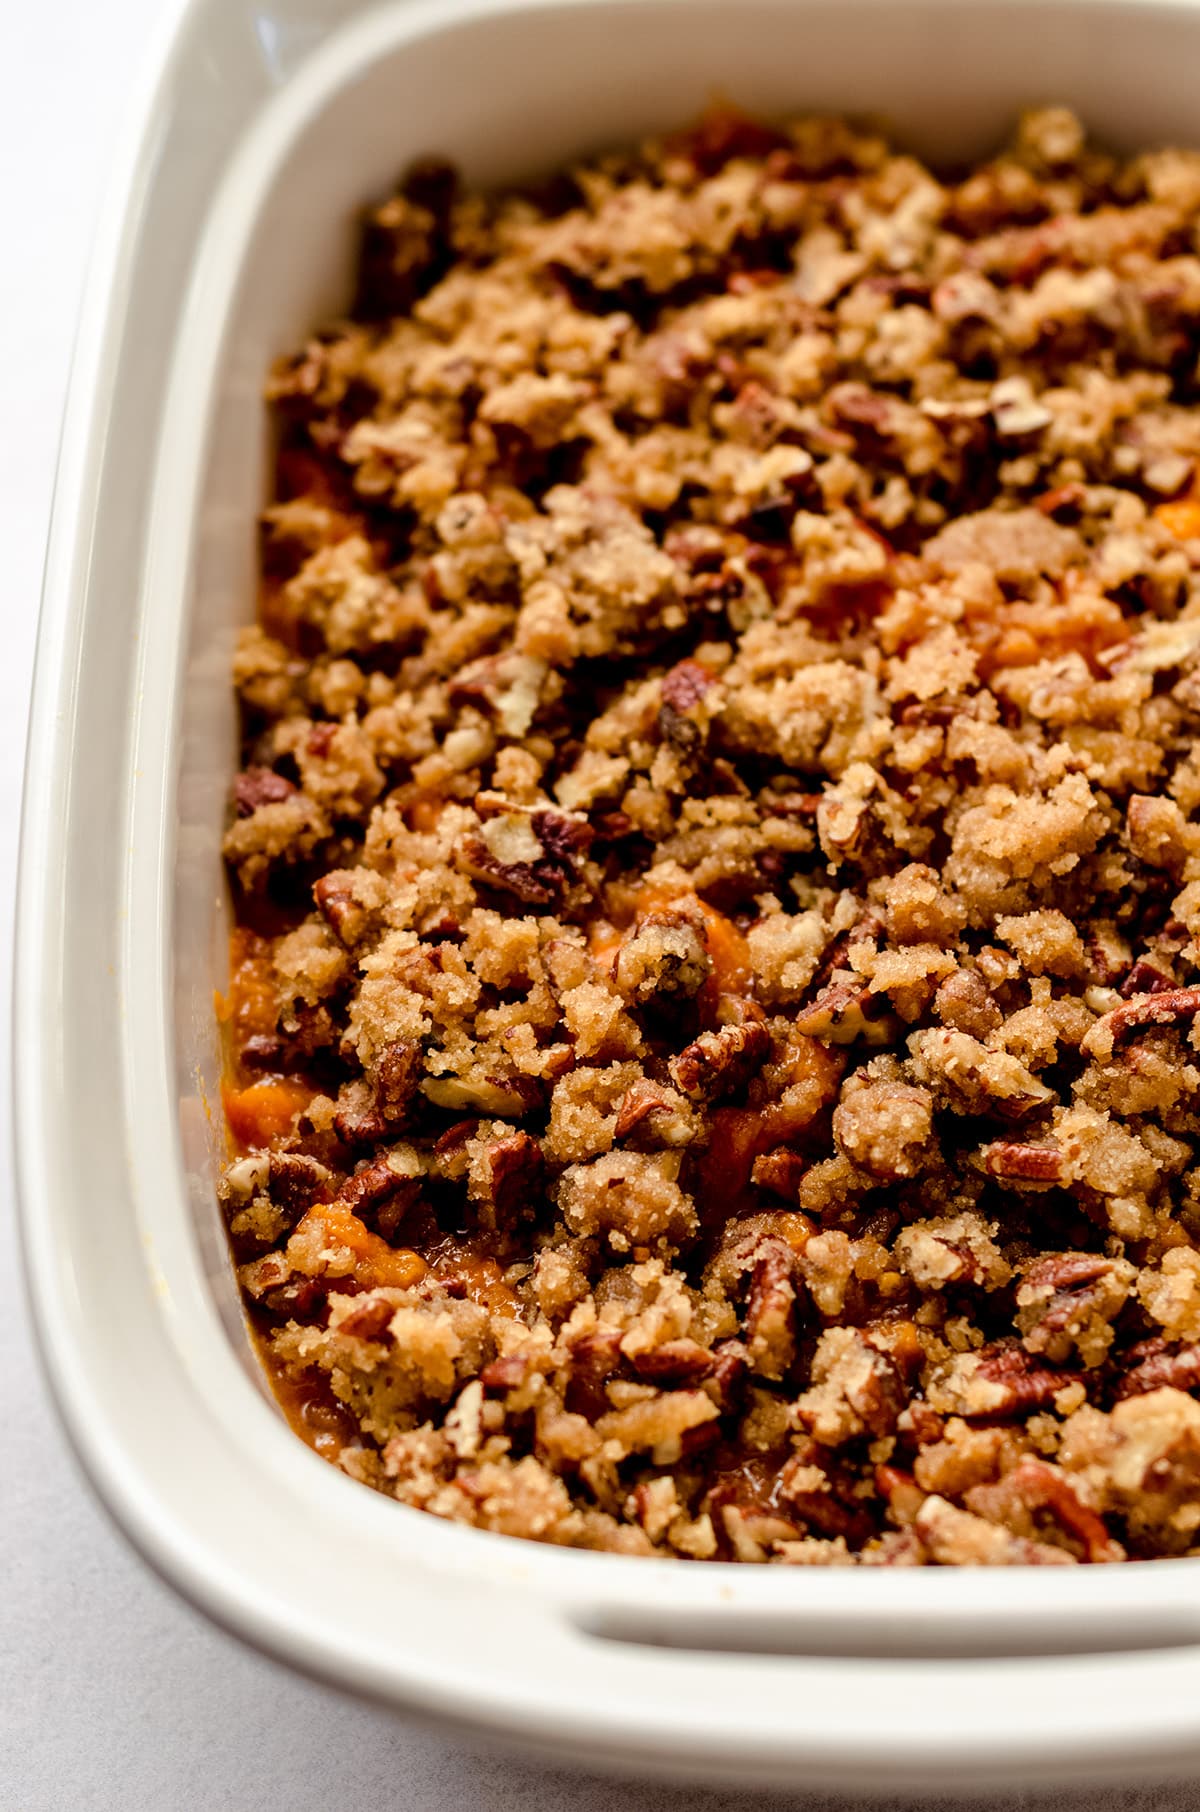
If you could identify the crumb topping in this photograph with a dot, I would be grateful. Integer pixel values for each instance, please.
(714, 1029)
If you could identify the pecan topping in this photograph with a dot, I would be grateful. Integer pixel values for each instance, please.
(296, 1181)
(260, 786)
(686, 684)
(780, 1171)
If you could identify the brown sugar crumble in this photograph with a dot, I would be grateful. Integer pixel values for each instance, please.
(714, 1034)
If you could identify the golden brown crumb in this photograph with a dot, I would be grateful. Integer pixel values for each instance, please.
(713, 1035)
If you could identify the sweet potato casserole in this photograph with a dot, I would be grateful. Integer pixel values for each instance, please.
(714, 1029)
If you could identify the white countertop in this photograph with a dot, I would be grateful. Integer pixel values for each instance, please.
(114, 1697)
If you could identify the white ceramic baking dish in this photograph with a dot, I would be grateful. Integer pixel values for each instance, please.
(267, 124)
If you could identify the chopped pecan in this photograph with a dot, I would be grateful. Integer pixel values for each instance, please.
(780, 1172)
(293, 1300)
(1015, 1163)
(955, 1537)
(964, 1003)
(686, 684)
(368, 1319)
(504, 1097)
(384, 1190)
(730, 1369)
(1022, 1385)
(768, 1326)
(595, 1358)
(846, 1012)
(664, 956)
(358, 1120)
(1179, 1370)
(856, 1389)
(821, 1499)
(513, 1166)
(652, 1117)
(1166, 1009)
(503, 1375)
(263, 1051)
(717, 1062)
(509, 685)
(904, 1496)
(1070, 1299)
(1033, 1486)
(674, 1362)
(679, 722)
(296, 1181)
(532, 851)
(397, 1072)
(337, 900)
(1144, 978)
(260, 786)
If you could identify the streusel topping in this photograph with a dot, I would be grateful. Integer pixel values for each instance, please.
(714, 1021)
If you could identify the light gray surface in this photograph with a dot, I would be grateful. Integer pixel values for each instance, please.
(112, 1694)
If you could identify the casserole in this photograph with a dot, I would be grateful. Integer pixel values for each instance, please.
(262, 138)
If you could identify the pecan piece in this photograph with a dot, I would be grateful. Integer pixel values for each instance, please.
(296, 1181)
(1144, 978)
(679, 722)
(503, 1375)
(718, 1062)
(1179, 1370)
(336, 897)
(397, 1072)
(532, 851)
(821, 1499)
(856, 1389)
(1166, 1009)
(686, 684)
(384, 1190)
(955, 1537)
(1019, 1383)
(1011, 1162)
(260, 786)
(652, 1117)
(368, 1319)
(509, 685)
(727, 1378)
(664, 956)
(1033, 1485)
(507, 1177)
(770, 1309)
(595, 1358)
(674, 1362)
(780, 1171)
(846, 1012)
(1070, 1300)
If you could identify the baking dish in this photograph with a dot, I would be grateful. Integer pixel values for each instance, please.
(230, 235)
